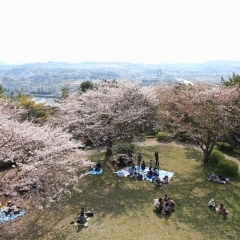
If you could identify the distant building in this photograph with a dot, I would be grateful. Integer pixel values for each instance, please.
(159, 73)
(180, 81)
(151, 81)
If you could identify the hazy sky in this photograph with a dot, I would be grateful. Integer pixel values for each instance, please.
(139, 31)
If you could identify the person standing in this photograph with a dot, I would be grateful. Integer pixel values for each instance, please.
(156, 159)
(139, 159)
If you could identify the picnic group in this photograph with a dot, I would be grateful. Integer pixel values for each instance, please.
(143, 171)
(152, 173)
(10, 211)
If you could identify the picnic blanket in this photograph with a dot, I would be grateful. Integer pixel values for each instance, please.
(4, 218)
(94, 172)
(162, 173)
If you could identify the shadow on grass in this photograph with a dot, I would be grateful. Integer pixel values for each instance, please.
(193, 154)
(80, 228)
(111, 196)
(162, 215)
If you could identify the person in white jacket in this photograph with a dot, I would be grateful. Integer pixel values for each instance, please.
(211, 203)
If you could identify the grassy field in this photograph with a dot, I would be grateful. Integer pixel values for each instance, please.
(124, 210)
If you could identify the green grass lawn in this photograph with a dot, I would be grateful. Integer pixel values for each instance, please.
(124, 208)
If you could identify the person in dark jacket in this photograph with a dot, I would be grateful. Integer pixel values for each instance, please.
(156, 159)
(143, 166)
(81, 219)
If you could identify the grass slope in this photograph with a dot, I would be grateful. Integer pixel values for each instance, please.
(124, 207)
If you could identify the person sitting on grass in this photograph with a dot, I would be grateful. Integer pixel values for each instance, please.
(160, 205)
(156, 202)
(170, 202)
(81, 219)
(221, 210)
(143, 166)
(132, 170)
(121, 161)
(130, 156)
(156, 172)
(167, 208)
(150, 164)
(165, 179)
(98, 166)
(157, 180)
(211, 203)
(82, 210)
(165, 198)
(150, 173)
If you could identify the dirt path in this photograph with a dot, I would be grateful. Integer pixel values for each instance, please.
(152, 142)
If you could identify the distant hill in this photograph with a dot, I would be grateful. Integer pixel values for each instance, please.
(193, 66)
(127, 69)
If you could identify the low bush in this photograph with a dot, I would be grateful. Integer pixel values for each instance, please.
(224, 146)
(216, 156)
(227, 167)
(125, 147)
(164, 136)
(184, 137)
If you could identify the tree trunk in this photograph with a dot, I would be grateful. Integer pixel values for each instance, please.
(207, 151)
(109, 147)
(206, 155)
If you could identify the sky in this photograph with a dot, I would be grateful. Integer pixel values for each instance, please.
(143, 31)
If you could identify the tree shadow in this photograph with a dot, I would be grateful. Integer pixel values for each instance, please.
(194, 154)
(110, 195)
(162, 215)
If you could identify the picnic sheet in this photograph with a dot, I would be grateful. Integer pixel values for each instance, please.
(8, 218)
(162, 173)
(94, 172)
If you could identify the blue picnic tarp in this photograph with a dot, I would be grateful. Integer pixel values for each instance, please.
(4, 218)
(94, 172)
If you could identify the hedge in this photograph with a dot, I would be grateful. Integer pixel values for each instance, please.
(163, 136)
(125, 147)
(227, 167)
(224, 146)
(216, 156)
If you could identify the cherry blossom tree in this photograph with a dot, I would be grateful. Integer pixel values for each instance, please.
(109, 111)
(204, 112)
(233, 81)
(37, 153)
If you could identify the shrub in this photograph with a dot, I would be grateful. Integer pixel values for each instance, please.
(224, 146)
(184, 137)
(216, 156)
(125, 147)
(163, 136)
(227, 167)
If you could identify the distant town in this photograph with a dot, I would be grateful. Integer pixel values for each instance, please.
(46, 80)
